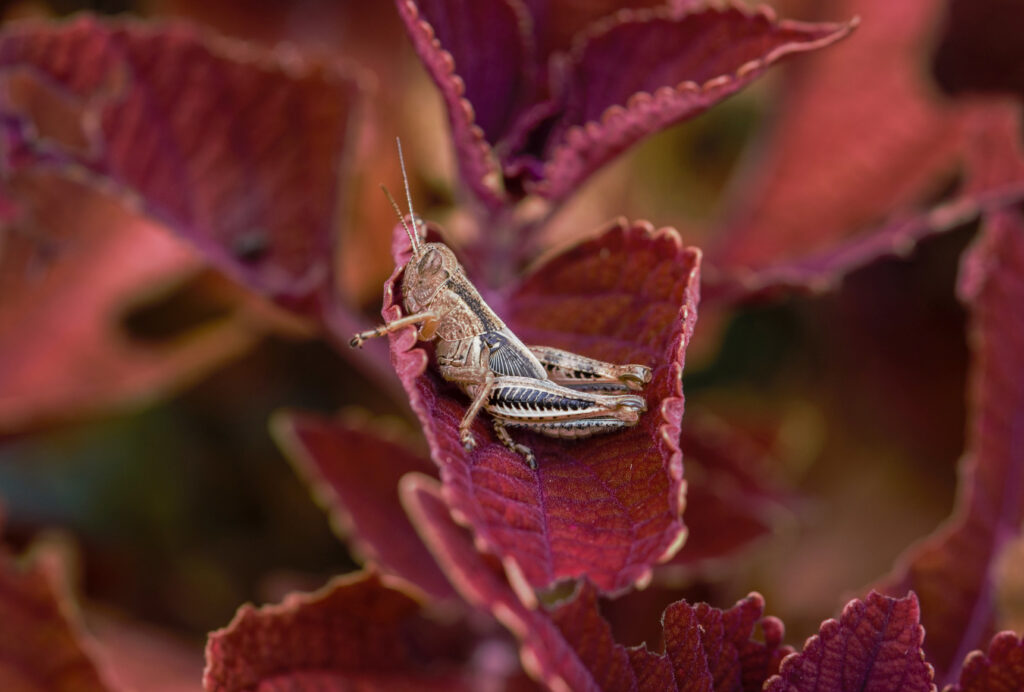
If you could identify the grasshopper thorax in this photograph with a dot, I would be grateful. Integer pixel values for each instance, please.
(426, 273)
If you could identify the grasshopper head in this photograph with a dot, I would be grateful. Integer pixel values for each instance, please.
(426, 273)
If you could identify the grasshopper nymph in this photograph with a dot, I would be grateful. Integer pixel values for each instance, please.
(549, 391)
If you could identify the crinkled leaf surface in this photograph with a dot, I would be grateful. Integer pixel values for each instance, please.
(354, 470)
(570, 646)
(952, 569)
(358, 632)
(608, 506)
(874, 646)
(42, 648)
(861, 135)
(1001, 669)
(238, 150)
(72, 266)
(543, 122)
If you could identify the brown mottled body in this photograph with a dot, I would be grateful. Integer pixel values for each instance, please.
(549, 391)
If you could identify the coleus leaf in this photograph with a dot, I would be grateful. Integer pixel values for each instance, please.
(1001, 669)
(861, 136)
(73, 265)
(875, 645)
(238, 150)
(42, 645)
(353, 470)
(570, 646)
(952, 569)
(543, 123)
(358, 632)
(608, 506)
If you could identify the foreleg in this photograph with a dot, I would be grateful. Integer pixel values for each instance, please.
(425, 318)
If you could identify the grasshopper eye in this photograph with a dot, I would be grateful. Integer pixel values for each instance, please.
(431, 263)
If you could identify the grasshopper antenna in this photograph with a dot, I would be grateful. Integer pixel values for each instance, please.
(401, 218)
(408, 198)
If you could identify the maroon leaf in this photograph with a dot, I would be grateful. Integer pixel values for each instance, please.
(711, 649)
(236, 149)
(571, 645)
(608, 506)
(875, 645)
(545, 122)
(861, 136)
(72, 267)
(354, 470)
(42, 646)
(358, 632)
(952, 569)
(1000, 670)
(545, 653)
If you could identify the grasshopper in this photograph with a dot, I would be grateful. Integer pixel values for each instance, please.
(549, 391)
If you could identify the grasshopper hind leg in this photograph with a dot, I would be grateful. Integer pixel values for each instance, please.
(587, 374)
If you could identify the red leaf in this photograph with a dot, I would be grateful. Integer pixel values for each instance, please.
(42, 646)
(861, 135)
(952, 569)
(644, 71)
(1001, 670)
(875, 645)
(236, 149)
(354, 471)
(73, 265)
(608, 506)
(547, 122)
(571, 646)
(358, 632)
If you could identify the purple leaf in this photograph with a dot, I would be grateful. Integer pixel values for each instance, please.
(236, 149)
(354, 469)
(607, 506)
(544, 121)
(875, 646)
(1001, 669)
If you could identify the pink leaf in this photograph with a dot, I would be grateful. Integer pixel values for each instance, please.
(999, 670)
(73, 267)
(874, 646)
(570, 646)
(236, 149)
(861, 136)
(358, 632)
(354, 470)
(608, 506)
(952, 569)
